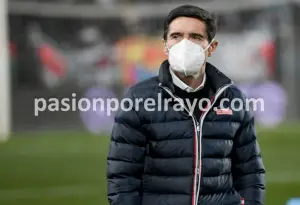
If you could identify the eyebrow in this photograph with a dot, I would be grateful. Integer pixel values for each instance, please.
(175, 33)
(197, 34)
(190, 34)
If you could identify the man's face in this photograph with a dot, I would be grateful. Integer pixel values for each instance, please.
(191, 29)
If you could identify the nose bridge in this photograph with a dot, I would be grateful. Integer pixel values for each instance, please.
(186, 35)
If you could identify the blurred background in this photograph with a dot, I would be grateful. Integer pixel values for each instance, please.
(98, 48)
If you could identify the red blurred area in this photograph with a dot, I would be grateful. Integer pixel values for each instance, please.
(52, 60)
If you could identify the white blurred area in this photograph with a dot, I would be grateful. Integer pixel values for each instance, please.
(4, 75)
(238, 55)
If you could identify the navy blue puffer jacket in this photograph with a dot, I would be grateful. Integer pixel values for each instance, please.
(175, 158)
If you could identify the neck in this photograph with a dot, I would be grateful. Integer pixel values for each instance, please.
(190, 80)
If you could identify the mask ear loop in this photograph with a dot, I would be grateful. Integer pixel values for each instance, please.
(209, 44)
(167, 47)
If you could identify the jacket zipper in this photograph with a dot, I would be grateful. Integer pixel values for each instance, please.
(196, 144)
(215, 97)
(198, 132)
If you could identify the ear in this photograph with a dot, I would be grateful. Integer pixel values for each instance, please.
(165, 48)
(213, 48)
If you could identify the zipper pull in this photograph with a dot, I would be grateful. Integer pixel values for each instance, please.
(198, 127)
(242, 201)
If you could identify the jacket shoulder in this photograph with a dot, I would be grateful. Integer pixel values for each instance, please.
(234, 92)
(144, 88)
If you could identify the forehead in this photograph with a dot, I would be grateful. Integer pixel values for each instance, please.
(187, 25)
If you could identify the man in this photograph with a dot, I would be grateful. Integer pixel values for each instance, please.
(192, 156)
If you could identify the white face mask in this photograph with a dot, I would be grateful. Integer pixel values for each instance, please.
(187, 57)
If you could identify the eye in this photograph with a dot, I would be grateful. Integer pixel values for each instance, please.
(197, 37)
(175, 36)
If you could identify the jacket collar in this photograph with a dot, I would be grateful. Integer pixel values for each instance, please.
(179, 83)
(216, 78)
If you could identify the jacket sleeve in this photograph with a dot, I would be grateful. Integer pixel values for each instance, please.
(248, 167)
(125, 158)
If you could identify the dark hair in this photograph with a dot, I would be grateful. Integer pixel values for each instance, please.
(194, 12)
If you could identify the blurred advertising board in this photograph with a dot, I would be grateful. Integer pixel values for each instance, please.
(139, 58)
(293, 201)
